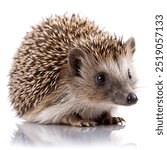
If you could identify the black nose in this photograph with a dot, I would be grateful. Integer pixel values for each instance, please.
(132, 98)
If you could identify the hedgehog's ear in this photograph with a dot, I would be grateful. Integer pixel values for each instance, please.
(75, 57)
(130, 46)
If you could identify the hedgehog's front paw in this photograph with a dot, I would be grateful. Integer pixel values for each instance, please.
(117, 121)
(114, 121)
(79, 122)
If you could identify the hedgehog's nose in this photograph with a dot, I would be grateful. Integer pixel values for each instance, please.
(132, 98)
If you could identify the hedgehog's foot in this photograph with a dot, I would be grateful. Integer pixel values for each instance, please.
(115, 121)
(107, 119)
(77, 121)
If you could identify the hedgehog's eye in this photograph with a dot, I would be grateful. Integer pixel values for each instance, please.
(129, 74)
(101, 78)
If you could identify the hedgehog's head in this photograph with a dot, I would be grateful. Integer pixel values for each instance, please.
(104, 73)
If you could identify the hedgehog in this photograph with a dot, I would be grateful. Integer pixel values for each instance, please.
(69, 71)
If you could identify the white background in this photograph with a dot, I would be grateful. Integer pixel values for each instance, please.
(127, 18)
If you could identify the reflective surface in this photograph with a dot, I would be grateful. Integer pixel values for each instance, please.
(62, 135)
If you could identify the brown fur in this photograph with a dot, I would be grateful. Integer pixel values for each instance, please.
(45, 72)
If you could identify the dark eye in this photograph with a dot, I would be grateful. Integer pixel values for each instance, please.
(129, 74)
(101, 78)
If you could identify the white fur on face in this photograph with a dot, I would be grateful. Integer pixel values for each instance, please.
(117, 69)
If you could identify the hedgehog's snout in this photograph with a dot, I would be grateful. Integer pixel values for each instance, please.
(132, 98)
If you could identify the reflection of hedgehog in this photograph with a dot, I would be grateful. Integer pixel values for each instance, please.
(28, 134)
(69, 71)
